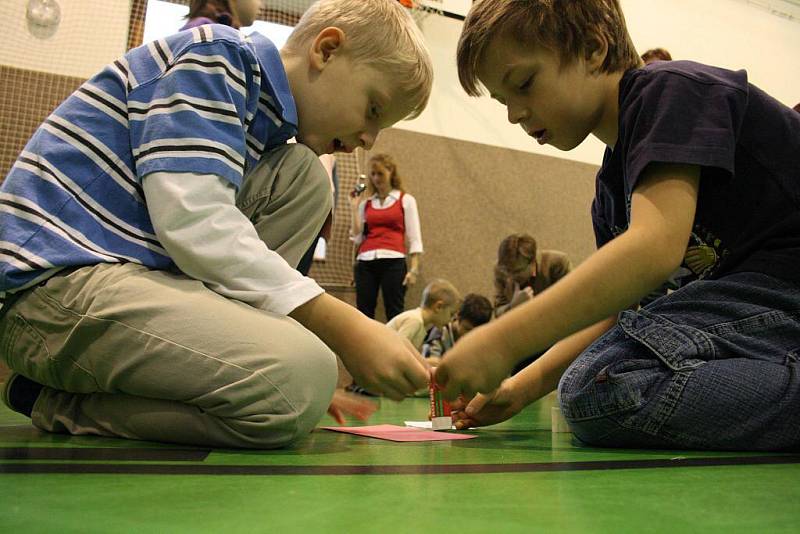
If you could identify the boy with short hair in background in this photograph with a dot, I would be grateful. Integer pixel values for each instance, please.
(439, 302)
(475, 310)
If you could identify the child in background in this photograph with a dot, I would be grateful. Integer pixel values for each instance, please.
(152, 225)
(696, 156)
(439, 301)
(523, 271)
(233, 13)
(475, 310)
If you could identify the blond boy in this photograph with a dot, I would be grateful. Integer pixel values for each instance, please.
(440, 299)
(152, 225)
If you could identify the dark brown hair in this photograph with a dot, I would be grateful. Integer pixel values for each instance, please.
(656, 54)
(566, 27)
(476, 309)
(514, 247)
(212, 9)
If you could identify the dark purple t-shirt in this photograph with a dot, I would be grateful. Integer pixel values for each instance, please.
(748, 147)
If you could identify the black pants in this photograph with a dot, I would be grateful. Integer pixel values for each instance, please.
(384, 274)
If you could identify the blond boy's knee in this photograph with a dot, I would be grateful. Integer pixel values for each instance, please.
(317, 379)
(308, 380)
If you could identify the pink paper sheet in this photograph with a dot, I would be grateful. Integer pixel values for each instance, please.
(398, 433)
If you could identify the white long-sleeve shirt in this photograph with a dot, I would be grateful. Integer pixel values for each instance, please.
(197, 222)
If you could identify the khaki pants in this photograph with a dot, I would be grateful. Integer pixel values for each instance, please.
(137, 353)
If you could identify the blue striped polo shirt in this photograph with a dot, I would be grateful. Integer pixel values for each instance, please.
(207, 100)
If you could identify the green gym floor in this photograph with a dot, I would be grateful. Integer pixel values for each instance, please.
(514, 477)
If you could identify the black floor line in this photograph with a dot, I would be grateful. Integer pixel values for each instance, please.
(206, 469)
(108, 454)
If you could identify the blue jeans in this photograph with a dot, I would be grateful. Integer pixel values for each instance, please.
(713, 365)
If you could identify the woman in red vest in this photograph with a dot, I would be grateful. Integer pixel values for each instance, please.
(385, 228)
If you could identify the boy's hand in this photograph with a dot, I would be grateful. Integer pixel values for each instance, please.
(344, 403)
(495, 407)
(386, 363)
(379, 359)
(474, 365)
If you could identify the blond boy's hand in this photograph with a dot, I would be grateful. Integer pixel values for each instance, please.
(474, 365)
(344, 403)
(380, 360)
(385, 362)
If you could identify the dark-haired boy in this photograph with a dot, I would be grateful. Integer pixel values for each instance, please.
(475, 310)
(701, 183)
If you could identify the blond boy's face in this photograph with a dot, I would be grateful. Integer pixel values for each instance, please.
(344, 105)
(555, 105)
(444, 314)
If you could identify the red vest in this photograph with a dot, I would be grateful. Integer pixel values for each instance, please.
(386, 228)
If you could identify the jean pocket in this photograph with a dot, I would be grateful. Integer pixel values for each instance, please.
(679, 347)
(617, 388)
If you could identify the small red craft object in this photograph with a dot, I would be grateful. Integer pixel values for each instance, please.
(440, 409)
(407, 3)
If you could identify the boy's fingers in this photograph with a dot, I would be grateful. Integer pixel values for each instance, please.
(453, 390)
(458, 404)
(439, 375)
(392, 393)
(450, 388)
(463, 424)
(334, 412)
(354, 405)
(418, 372)
(477, 404)
(417, 378)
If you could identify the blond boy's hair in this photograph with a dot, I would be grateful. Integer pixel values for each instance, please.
(440, 289)
(563, 26)
(380, 34)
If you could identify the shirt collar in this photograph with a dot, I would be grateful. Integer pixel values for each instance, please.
(273, 78)
(394, 193)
